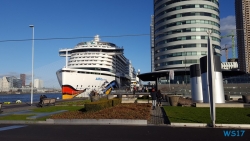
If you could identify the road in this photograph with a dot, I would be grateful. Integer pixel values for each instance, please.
(116, 133)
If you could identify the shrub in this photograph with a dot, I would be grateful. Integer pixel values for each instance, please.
(116, 101)
(98, 105)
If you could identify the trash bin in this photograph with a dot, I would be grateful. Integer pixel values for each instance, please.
(173, 100)
(227, 97)
(246, 98)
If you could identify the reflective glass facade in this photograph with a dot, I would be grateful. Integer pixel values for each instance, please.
(180, 37)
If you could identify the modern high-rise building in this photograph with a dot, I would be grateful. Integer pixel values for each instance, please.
(180, 37)
(152, 44)
(242, 15)
(23, 78)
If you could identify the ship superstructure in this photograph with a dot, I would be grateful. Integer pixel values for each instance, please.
(93, 66)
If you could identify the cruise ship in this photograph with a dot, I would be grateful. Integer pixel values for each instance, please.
(93, 66)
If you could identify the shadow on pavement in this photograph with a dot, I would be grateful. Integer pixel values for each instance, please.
(165, 117)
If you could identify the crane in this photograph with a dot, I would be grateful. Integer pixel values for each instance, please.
(226, 50)
(233, 45)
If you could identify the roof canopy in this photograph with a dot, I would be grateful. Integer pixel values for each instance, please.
(151, 76)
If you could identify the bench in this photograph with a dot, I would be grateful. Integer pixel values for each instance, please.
(47, 102)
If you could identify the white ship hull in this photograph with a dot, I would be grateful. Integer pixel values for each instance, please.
(74, 83)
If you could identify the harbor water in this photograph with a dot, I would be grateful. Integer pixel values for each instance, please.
(26, 98)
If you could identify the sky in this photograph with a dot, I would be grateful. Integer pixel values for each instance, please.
(78, 20)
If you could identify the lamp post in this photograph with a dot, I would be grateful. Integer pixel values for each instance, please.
(32, 70)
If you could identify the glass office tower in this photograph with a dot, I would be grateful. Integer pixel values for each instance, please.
(180, 37)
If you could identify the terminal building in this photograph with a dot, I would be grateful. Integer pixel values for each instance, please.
(178, 34)
(179, 39)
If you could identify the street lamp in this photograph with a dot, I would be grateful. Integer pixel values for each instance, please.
(32, 72)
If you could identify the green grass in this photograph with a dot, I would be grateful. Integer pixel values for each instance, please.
(41, 110)
(15, 117)
(82, 102)
(202, 115)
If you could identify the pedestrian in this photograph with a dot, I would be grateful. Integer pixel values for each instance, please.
(134, 89)
(153, 96)
(159, 98)
(40, 101)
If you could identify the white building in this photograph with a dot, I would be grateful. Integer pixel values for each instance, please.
(1, 84)
(229, 65)
(132, 72)
(10, 82)
(38, 83)
(180, 37)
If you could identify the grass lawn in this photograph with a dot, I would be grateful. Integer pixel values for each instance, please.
(70, 103)
(15, 117)
(202, 115)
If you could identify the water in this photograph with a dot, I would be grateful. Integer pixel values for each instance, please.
(27, 97)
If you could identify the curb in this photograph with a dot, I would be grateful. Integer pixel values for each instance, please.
(206, 125)
(232, 125)
(97, 122)
(80, 122)
(189, 124)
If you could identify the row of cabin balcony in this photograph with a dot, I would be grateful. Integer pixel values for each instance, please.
(91, 61)
(96, 46)
(73, 54)
(91, 57)
(96, 43)
(88, 64)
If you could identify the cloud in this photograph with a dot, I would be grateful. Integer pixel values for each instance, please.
(227, 25)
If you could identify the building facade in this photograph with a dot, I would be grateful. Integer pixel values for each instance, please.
(38, 83)
(152, 43)
(8, 83)
(242, 15)
(180, 37)
(132, 72)
(229, 65)
(23, 78)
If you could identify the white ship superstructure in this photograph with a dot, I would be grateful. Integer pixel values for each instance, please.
(93, 65)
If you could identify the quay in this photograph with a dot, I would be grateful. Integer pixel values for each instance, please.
(158, 116)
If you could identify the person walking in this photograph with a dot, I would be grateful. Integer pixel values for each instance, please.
(134, 89)
(153, 96)
(159, 98)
